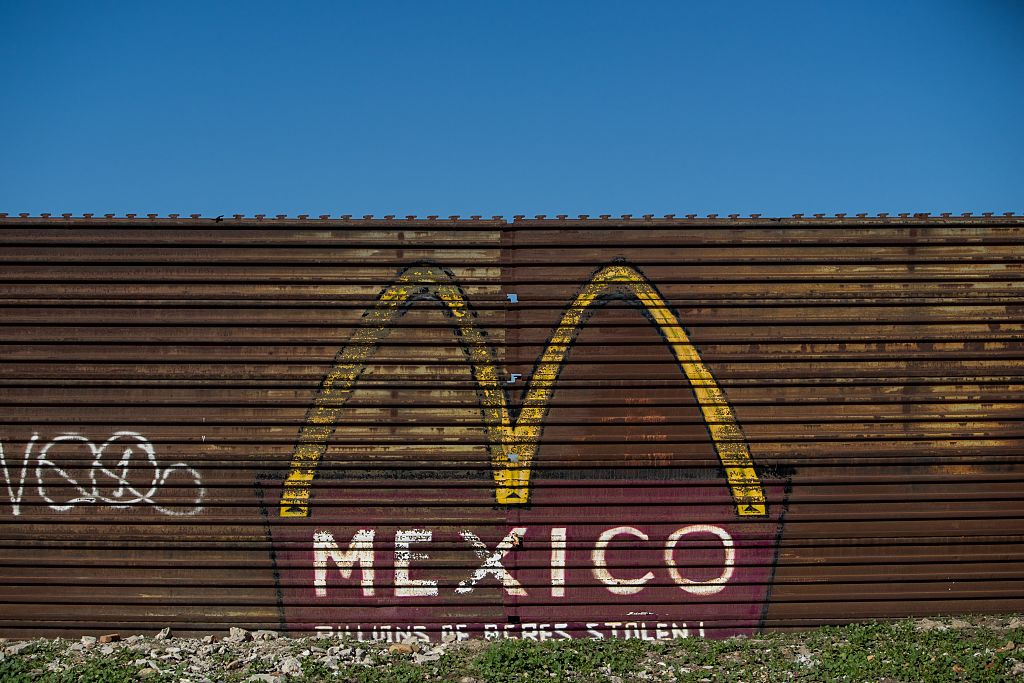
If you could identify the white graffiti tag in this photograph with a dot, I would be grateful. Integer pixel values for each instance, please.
(124, 472)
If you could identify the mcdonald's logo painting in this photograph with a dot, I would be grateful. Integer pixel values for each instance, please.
(551, 552)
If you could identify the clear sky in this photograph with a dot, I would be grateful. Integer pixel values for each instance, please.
(499, 108)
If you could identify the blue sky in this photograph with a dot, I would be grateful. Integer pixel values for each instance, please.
(499, 108)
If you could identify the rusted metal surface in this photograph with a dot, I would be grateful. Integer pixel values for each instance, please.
(543, 428)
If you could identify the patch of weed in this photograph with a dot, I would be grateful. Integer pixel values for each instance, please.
(507, 661)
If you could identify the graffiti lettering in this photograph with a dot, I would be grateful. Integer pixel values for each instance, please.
(593, 630)
(361, 552)
(558, 541)
(406, 587)
(124, 471)
(711, 586)
(616, 585)
(492, 562)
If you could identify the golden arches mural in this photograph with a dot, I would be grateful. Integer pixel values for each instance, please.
(513, 443)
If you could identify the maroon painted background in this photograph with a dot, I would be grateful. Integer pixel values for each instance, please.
(584, 508)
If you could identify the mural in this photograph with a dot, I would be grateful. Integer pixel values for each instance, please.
(646, 553)
(527, 440)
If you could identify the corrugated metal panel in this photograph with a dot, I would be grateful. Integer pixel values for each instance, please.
(541, 428)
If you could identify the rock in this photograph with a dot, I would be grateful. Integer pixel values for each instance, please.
(146, 673)
(107, 649)
(265, 635)
(467, 679)
(400, 649)
(16, 648)
(423, 658)
(805, 656)
(233, 664)
(264, 678)
(239, 634)
(291, 666)
(929, 625)
(110, 638)
(959, 623)
(164, 634)
(449, 638)
(208, 639)
(88, 641)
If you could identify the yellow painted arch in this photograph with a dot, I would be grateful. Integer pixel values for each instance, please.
(520, 438)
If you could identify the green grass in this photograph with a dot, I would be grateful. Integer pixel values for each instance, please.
(30, 665)
(867, 652)
(526, 660)
(894, 651)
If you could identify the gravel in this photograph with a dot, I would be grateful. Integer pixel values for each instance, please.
(254, 656)
(265, 656)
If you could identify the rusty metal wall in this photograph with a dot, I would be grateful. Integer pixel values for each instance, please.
(546, 428)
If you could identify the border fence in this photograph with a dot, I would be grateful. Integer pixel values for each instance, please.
(539, 428)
